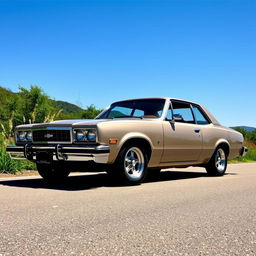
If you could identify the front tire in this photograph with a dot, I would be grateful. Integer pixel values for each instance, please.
(218, 164)
(52, 173)
(131, 165)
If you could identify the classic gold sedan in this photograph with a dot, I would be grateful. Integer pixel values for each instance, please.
(129, 139)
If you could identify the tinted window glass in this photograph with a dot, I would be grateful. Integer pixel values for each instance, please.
(138, 112)
(183, 111)
(120, 112)
(200, 118)
(146, 108)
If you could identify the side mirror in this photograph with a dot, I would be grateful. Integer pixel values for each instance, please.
(178, 118)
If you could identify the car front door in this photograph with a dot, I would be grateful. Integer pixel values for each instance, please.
(182, 136)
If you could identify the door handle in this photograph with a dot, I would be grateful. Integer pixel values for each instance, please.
(197, 130)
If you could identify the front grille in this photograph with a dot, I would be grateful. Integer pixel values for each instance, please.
(51, 136)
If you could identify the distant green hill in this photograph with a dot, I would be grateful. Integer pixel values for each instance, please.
(246, 128)
(5, 94)
(69, 110)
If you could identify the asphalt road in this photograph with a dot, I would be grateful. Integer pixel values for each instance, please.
(179, 213)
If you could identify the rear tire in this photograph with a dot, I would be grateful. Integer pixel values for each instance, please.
(52, 173)
(218, 164)
(131, 165)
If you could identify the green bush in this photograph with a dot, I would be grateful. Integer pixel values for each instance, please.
(7, 165)
(26, 165)
(248, 136)
(250, 155)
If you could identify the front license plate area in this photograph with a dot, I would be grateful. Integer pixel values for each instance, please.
(44, 157)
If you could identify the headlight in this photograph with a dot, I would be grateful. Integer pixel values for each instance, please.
(24, 136)
(85, 135)
(29, 136)
(80, 135)
(91, 135)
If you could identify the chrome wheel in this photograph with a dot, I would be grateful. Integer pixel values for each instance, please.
(220, 160)
(134, 164)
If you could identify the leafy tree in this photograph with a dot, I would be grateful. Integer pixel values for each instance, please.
(10, 109)
(241, 130)
(252, 136)
(36, 104)
(91, 112)
(33, 105)
(12, 106)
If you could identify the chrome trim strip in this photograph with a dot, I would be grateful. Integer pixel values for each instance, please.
(16, 147)
(16, 153)
(78, 148)
(100, 147)
(97, 148)
(18, 158)
(102, 158)
(43, 147)
(58, 128)
(78, 154)
(53, 142)
(50, 128)
(187, 161)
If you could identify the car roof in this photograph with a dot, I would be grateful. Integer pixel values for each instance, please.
(155, 98)
(207, 112)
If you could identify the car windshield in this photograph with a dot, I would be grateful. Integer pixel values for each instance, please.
(145, 108)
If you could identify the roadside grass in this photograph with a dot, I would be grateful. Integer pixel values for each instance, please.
(249, 157)
(7, 165)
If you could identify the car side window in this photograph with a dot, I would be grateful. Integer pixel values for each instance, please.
(138, 112)
(183, 111)
(200, 118)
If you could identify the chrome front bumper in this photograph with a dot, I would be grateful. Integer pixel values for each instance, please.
(97, 153)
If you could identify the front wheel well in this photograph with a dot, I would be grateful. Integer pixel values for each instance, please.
(139, 142)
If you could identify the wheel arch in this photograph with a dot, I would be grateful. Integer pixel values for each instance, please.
(137, 139)
(224, 144)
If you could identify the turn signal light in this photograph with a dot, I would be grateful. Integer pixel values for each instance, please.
(112, 141)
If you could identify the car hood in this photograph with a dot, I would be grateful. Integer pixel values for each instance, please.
(64, 123)
(78, 123)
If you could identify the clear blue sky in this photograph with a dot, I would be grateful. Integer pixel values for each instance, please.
(97, 52)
